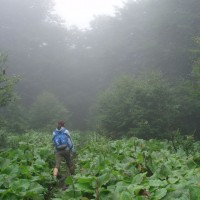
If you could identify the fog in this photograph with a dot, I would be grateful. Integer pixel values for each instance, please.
(76, 65)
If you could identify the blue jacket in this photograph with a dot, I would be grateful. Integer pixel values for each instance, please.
(65, 131)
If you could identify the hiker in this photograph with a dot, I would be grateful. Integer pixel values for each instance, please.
(63, 148)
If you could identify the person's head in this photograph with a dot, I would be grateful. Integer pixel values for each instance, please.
(60, 124)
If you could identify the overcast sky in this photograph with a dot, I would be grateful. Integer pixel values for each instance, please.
(81, 12)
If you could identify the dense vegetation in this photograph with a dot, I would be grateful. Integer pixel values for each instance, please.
(133, 78)
(75, 65)
(6, 83)
(146, 105)
(105, 169)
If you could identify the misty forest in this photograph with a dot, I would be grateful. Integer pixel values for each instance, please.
(127, 88)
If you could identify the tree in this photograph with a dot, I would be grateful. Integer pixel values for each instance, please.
(188, 93)
(14, 117)
(142, 106)
(46, 111)
(143, 35)
(6, 83)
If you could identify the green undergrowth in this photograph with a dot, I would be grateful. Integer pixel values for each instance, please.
(105, 169)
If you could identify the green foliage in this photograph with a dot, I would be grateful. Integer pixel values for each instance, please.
(195, 74)
(25, 166)
(105, 169)
(46, 111)
(3, 141)
(143, 35)
(120, 170)
(184, 142)
(6, 83)
(187, 98)
(143, 106)
(14, 117)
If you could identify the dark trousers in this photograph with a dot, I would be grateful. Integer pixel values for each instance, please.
(63, 154)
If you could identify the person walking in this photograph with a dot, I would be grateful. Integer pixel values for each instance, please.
(64, 147)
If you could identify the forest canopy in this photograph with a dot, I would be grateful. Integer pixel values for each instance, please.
(77, 70)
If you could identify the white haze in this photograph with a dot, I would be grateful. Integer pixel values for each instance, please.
(80, 12)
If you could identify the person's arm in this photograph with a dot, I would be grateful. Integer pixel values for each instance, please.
(67, 132)
(72, 148)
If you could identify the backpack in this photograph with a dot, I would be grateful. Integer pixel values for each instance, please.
(61, 140)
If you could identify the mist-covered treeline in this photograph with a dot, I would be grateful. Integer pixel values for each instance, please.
(70, 67)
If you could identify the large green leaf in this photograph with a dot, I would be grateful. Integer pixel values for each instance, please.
(102, 180)
(125, 196)
(85, 187)
(173, 180)
(191, 164)
(194, 192)
(138, 178)
(160, 193)
(69, 180)
(164, 171)
(20, 185)
(5, 165)
(157, 183)
(85, 179)
(179, 192)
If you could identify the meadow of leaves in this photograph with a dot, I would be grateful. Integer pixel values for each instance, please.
(105, 169)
